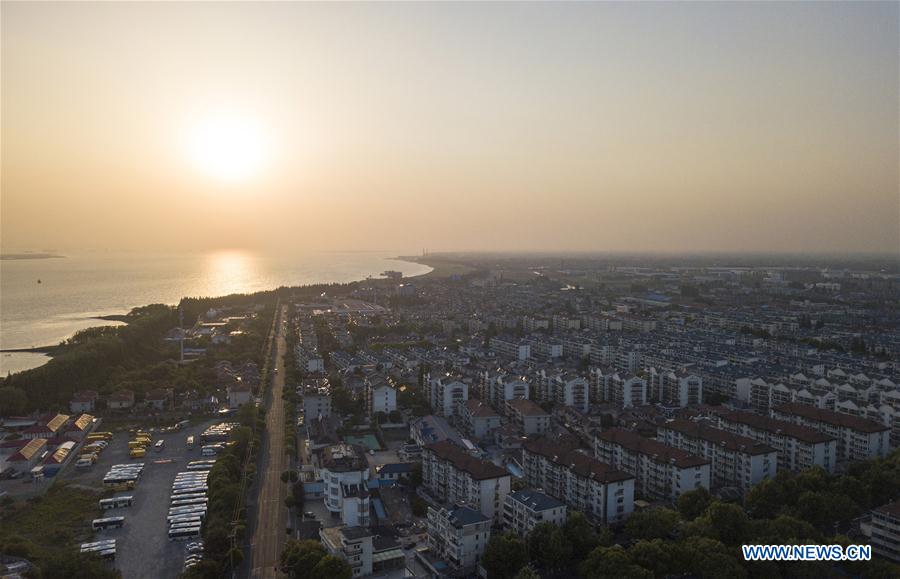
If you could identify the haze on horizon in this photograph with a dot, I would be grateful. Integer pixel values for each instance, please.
(575, 126)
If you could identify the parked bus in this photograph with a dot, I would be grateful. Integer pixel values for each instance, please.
(186, 502)
(119, 484)
(187, 510)
(138, 453)
(190, 442)
(187, 496)
(160, 444)
(185, 519)
(132, 444)
(108, 523)
(98, 544)
(190, 490)
(108, 554)
(117, 502)
(184, 534)
(107, 436)
(185, 525)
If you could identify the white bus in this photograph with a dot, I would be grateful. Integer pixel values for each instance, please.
(196, 519)
(117, 502)
(184, 534)
(98, 545)
(188, 502)
(188, 510)
(108, 523)
(184, 525)
(189, 479)
(187, 496)
(190, 442)
(190, 489)
(109, 554)
(160, 444)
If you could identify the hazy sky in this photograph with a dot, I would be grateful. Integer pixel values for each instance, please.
(640, 126)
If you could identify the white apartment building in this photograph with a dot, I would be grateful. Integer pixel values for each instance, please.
(885, 539)
(453, 476)
(680, 389)
(458, 535)
(735, 460)
(857, 438)
(446, 394)
(343, 468)
(366, 553)
(496, 389)
(559, 469)
(798, 447)
(478, 419)
(316, 398)
(545, 348)
(381, 396)
(530, 418)
(662, 472)
(566, 389)
(511, 348)
(524, 510)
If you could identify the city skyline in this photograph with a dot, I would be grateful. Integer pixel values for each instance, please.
(646, 127)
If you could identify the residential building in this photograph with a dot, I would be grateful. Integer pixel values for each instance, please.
(344, 470)
(452, 475)
(239, 394)
(316, 395)
(509, 347)
(365, 552)
(526, 509)
(381, 396)
(857, 438)
(662, 472)
(735, 460)
(458, 535)
(798, 447)
(558, 468)
(446, 394)
(529, 417)
(478, 419)
(120, 400)
(83, 401)
(885, 527)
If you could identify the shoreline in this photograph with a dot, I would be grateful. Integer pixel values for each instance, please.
(51, 349)
(441, 268)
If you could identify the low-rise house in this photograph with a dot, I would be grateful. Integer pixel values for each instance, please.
(239, 394)
(48, 427)
(885, 531)
(83, 401)
(160, 399)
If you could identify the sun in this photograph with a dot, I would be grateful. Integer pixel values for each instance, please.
(227, 149)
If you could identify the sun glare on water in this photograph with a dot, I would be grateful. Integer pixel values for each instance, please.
(227, 149)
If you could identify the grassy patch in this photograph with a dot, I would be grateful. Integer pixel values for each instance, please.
(39, 527)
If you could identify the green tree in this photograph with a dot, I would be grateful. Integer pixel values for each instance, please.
(656, 556)
(611, 563)
(580, 534)
(504, 556)
(13, 401)
(764, 500)
(692, 503)
(659, 523)
(527, 573)
(547, 546)
(330, 567)
(725, 522)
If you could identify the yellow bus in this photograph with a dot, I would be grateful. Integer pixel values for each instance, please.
(133, 444)
(138, 453)
(107, 436)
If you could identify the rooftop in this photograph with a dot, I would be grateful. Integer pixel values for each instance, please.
(656, 450)
(461, 460)
(833, 418)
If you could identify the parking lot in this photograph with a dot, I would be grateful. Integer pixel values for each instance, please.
(143, 549)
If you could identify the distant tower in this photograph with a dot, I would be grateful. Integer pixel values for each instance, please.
(181, 331)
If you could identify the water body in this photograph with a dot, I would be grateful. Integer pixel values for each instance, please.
(75, 289)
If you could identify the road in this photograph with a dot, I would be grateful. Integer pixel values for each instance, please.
(271, 522)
